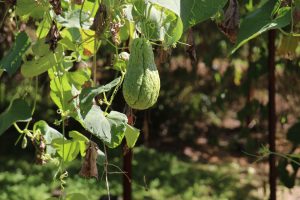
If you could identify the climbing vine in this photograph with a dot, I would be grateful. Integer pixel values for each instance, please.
(63, 40)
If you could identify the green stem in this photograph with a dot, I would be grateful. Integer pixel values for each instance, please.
(289, 34)
(18, 128)
(115, 91)
(62, 111)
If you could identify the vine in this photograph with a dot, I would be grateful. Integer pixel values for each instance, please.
(68, 34)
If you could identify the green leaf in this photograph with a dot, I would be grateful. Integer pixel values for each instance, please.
(40, 48)
(76, 196)
(131, 135)
(18, 110)
(32, 8)
(72, 17)
(12, 61)
(160, 23)
(79, 41)
(192, 12)
(88, 94)
(293, 134)
(261, 21)
(97, 124)
(37, 66)
(69, 149)
(81, 139)
(49, 134)
(69, 85)
(287, 178)
(117, 123)
(101, 158)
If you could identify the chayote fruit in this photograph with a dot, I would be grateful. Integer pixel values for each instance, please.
(141, 82)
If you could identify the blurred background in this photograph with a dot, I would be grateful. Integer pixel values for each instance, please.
(196, 142)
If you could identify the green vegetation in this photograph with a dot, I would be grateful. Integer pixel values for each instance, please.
(163, 177)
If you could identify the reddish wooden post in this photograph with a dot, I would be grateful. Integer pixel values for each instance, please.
(272, 115)
(127, 163)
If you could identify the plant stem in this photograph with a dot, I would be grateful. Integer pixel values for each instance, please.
(106, 171)
(115, 91)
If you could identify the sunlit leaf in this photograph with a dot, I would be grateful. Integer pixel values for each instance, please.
(192, 12)
(96, 123)
(118, 123)
(81, 139)
(160, 24)
(72, 19)
(131, 135)
(67, 149)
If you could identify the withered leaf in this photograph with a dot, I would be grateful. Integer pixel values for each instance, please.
(163, 55)
(53, 36)
(190, 49)
(99, 23)
(230, 24)
(40, 147)
(287, 47)
(89, 167)
(56, 4)
(115, 29)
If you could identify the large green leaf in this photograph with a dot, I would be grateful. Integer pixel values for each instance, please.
(69, 85)
(97, 124)
(32, 8)
(72, 17)
(44, 59)
(12, 61)
(192, 12)
(160, 24)
(79, 41)
(261, 21)
(38, 66)
(18, 110)
(81, 139)
(69, 149)
(49, 134)
(117, 123)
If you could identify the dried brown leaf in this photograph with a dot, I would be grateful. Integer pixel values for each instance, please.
(56, 4)
(53, 36)
(191, 49)
(89, 167)
(230, 24)
(99, 23)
